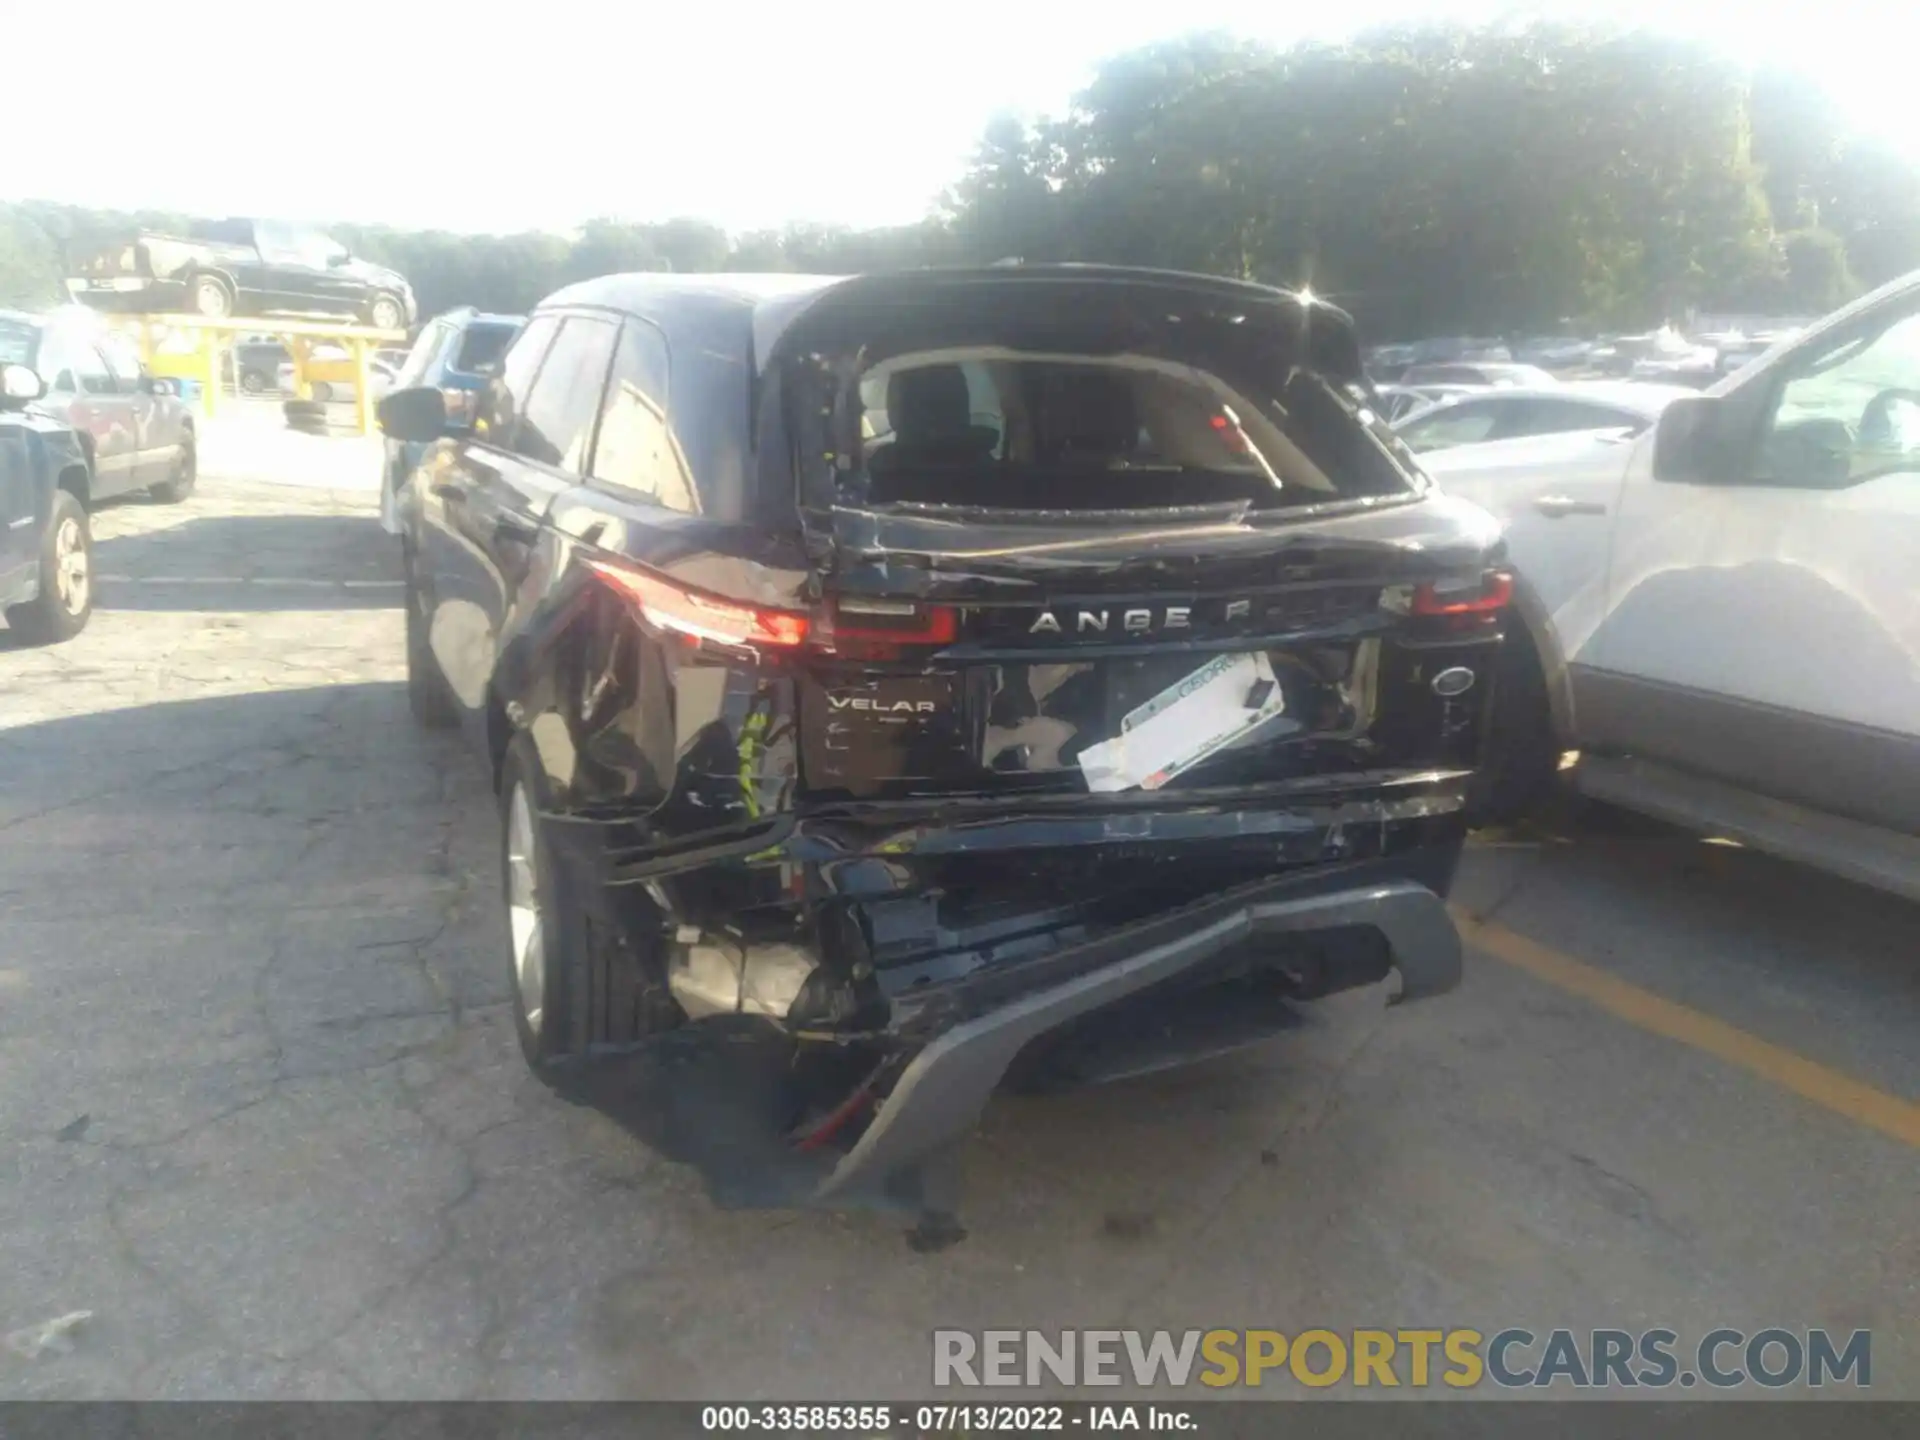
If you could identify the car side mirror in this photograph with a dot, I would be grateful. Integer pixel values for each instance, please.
(155, 385)
(416, 415)
(337, 258)
(20, 386)
(1693, 442)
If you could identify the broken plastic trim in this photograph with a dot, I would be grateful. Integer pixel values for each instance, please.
(941, 1093)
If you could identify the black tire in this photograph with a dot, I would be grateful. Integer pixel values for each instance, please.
(1523, 755)
(255, 382)
(209, 297)
(428, 695)
(57, 613)
(322, 391)
(186, 472)
(591, 990)
(387, 313)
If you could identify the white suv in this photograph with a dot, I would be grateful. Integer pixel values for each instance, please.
(1724, 615)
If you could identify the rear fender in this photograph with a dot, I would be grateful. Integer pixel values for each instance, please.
(1539, 631)
(631, 725)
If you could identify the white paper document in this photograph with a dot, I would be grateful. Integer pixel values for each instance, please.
(1183, 724)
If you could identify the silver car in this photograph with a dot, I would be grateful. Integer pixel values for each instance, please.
(1490, 416)
(135, 431)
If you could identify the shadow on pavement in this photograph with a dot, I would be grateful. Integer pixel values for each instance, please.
(162, 747)
(252, 562)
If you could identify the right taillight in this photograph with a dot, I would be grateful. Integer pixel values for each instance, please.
(1491, 592)
(460, 404)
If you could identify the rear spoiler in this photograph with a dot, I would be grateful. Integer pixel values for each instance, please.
(791, 324)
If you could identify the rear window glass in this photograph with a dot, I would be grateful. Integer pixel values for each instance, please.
(482, 345)
(16, 343)
(1009, 430)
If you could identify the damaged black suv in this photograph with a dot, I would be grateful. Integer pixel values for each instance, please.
(904, 685)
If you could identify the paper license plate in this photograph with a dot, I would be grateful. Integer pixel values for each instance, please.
(1183, 725)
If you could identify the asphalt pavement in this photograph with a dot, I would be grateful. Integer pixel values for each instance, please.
(269, 1130)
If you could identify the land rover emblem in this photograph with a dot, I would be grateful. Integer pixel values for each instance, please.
(1453, 682)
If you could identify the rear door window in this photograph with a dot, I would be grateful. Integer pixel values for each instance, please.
(637, 453)
(507, 391)
(556, 426)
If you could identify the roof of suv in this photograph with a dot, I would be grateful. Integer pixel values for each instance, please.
(775, 301)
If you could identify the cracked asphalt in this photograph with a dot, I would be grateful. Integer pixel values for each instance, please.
(265, 1119)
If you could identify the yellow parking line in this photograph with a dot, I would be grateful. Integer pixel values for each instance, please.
(1829, 1089)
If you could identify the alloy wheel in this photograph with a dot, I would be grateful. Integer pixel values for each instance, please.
(72, 574)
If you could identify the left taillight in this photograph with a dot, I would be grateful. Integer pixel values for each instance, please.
(459, 403)
(697, 616)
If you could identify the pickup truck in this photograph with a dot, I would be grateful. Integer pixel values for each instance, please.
(242, 267)
(46, 544)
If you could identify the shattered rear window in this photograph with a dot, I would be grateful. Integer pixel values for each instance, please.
(1205, 413)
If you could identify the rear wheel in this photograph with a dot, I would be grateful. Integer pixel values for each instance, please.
(387, 313)
(428, 695)
(65, 601)
(576, 976)
(255, 382)
(180, 481)
(211, 298)
(322, 391)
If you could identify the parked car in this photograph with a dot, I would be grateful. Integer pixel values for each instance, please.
(258, 363)
(46, 542)
(1623, 408)
(1478, 372)
(1554, 352)
(1720, 616)
(454, 354)
(840, 781)
(135, 432)
(1400, 401)
(242, 267)
(330, 375)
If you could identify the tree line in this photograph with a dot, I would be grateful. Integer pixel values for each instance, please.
(1431, 179)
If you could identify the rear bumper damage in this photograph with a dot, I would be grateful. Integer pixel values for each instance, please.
(942, 1092)
(1351, 892)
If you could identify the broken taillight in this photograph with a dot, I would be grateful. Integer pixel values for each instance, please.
(1454, 597)
(857, 628)
(688, 612)
(1484, 594)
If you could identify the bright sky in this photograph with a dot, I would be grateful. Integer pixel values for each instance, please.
(511, 116)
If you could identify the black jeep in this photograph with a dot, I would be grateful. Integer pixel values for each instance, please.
(902, 685)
